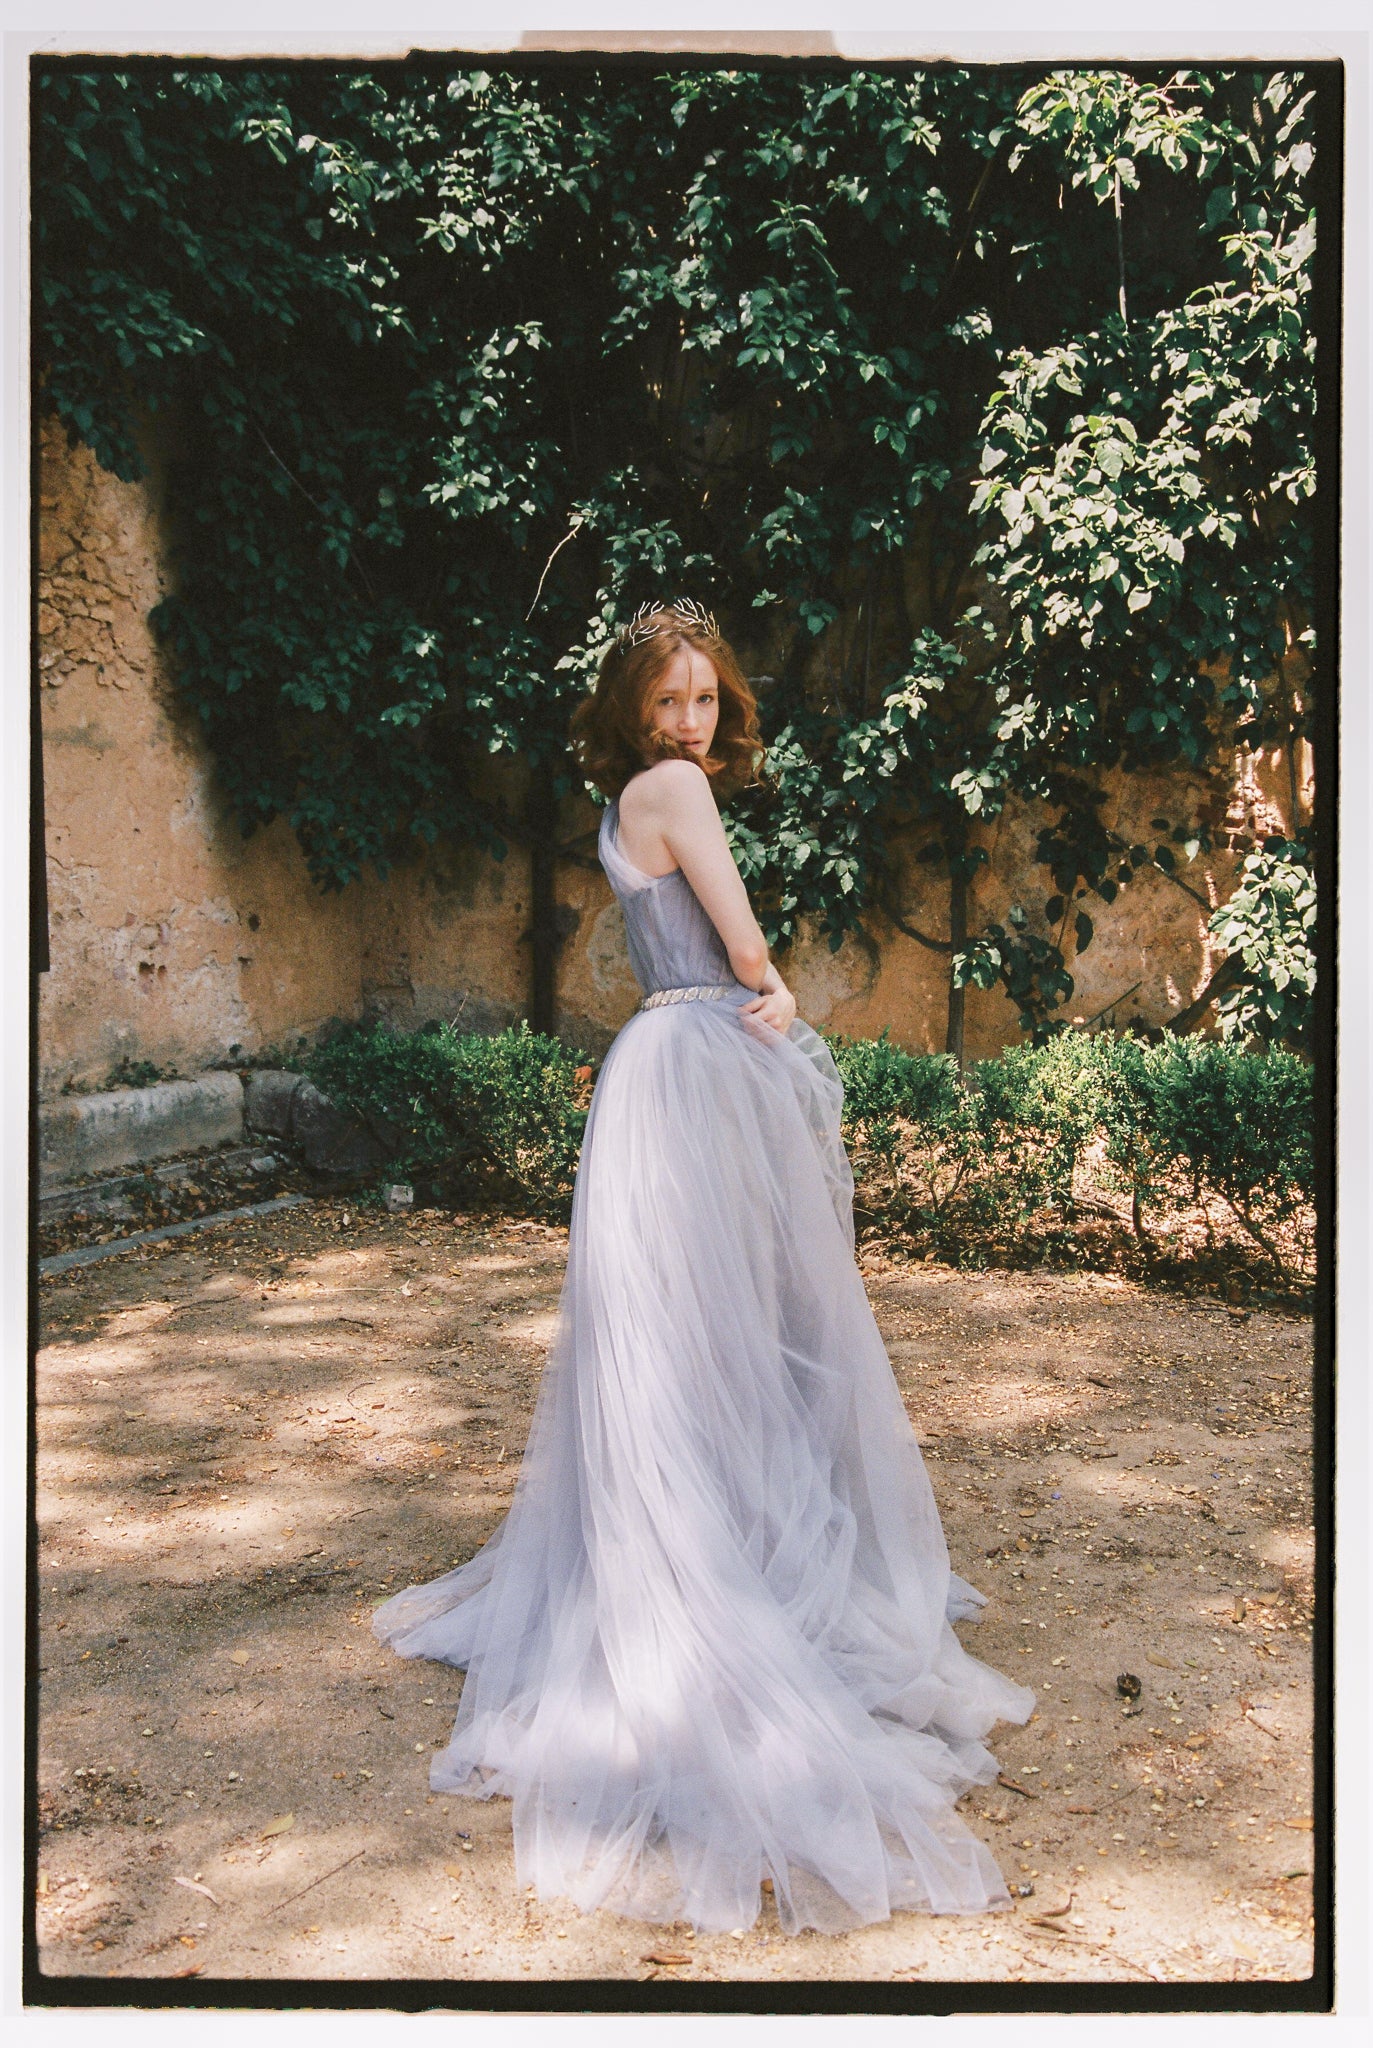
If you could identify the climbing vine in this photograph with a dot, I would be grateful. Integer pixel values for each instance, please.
(976, 403)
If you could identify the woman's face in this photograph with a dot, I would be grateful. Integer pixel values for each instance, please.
(685, 700)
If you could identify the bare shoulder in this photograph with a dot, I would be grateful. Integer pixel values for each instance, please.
(667, 790)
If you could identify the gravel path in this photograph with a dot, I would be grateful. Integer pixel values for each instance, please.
(249, 1437)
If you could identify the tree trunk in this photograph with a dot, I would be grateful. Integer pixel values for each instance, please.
(541, 820)
(958, 939)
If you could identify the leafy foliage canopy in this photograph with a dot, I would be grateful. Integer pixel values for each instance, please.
(977, 404)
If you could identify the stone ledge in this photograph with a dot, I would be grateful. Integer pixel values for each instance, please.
(89, 1254)
(110, 1195)
(84, 1136)
(80, 1135)
(268, 1095)
(332, 1141)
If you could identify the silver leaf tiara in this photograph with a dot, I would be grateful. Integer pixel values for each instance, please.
(686, 608)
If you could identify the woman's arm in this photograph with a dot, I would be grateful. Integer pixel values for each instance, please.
(774, 1004)
(676, 802)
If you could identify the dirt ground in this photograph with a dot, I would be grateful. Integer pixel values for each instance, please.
(249, 1437)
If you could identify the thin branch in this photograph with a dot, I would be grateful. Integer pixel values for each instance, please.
(1230, 971)
(291, 477)
(1241, 1209)
(922, 938)
(1120, 250)
(569, 535)
(1111, 1005)
(1169, 875)
(952, 272)
(867, 644)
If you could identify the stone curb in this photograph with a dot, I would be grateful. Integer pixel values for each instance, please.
(133, 1129)
(110, 1196)
(89, 1254)
(80, 1135)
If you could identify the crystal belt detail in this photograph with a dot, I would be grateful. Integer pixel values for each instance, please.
(703, 992)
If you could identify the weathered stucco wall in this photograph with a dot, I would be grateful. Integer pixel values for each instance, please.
(176, 941)
(172, 938)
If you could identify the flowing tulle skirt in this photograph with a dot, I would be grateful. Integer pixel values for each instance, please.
(710, 1641)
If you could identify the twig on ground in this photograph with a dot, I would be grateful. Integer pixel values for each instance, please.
(290, 1901)
(1247, 1711)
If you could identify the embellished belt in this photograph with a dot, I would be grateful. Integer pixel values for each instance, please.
(703, 992)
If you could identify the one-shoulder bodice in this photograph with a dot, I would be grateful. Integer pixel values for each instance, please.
(672, 942)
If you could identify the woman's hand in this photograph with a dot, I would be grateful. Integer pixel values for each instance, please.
(775, 1006)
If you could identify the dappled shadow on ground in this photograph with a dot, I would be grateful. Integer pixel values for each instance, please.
(246, 1443)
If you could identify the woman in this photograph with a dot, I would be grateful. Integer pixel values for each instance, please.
(710, 1647)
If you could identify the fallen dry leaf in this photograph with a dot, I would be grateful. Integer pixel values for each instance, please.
(1081, 1809)
(1304, 1823)
(238, 1656)
(1153, 1657)
(1012, 1785)
(278, 1826)
(453, 1870)
(668, 1958)
(191, 1885)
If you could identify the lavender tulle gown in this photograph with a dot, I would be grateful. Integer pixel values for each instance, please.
(710, 1642)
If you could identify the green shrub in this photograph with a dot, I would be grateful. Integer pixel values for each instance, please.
(1042, 1136)
(1134, 1143)
(882, 1084)
(910, 1130)
(127, 1073)
(1240, 1123)
(1233, 1125)
(1015, 1156)
(503, 1114)
(1037, 1107)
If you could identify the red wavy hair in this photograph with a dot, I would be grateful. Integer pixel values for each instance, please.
(612, 733)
